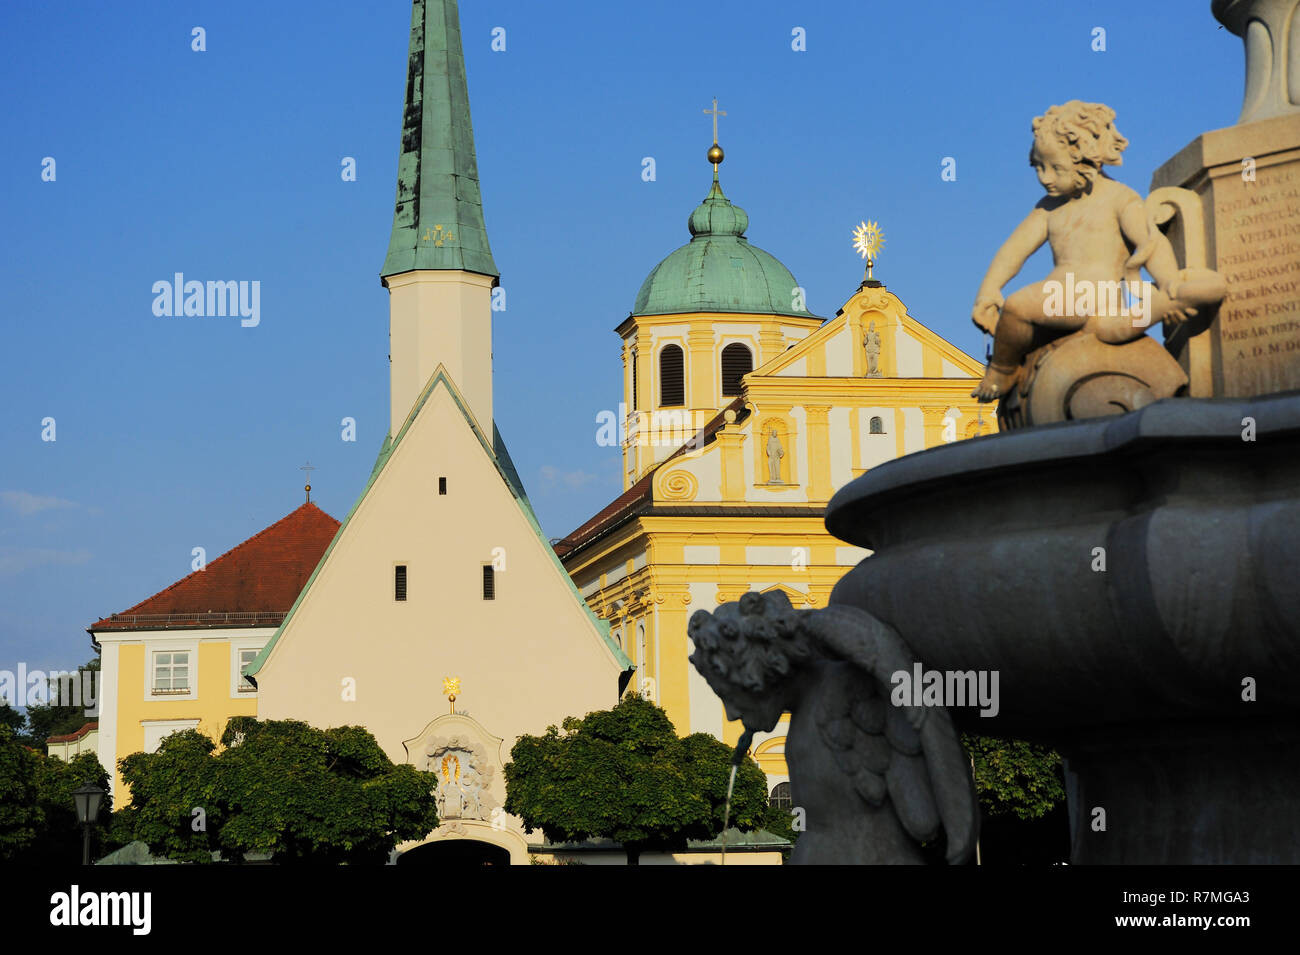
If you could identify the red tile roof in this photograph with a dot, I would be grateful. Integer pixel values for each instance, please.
(253, 585)
(71, 737)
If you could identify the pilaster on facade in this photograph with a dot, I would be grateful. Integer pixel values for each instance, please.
(934, 417)
(819, 452)
(770, 342)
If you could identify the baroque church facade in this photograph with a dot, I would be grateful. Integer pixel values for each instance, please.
(746, 413)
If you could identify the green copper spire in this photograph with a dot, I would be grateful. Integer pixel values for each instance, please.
(438, 218)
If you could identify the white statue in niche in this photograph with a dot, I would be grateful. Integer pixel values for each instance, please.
(774, 455)
(871, 343)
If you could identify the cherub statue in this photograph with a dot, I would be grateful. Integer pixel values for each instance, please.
(1101, 236)
(874, 779)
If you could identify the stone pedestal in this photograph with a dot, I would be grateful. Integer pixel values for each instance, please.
(1248, 180)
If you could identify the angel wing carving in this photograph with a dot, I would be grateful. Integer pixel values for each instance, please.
(876, 779)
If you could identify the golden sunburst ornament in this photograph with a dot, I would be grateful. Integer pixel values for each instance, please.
(451, 687)
(867, 239)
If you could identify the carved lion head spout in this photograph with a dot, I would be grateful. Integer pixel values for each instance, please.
(877, 779)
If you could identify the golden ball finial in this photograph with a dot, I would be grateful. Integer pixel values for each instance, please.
(715, 154)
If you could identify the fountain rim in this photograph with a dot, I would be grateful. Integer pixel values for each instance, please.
(1179, 421)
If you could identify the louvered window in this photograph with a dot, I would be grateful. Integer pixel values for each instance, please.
(399, 582)
(635, 401)
(489, 583)
(672, 387)
(737, 362)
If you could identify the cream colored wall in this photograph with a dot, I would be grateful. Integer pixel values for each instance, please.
(440, 317)
(527, 659)
(71, 749)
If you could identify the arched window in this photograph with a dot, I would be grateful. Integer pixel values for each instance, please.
(737, 362)
(877, 426)
(781, 798)
(672, 379)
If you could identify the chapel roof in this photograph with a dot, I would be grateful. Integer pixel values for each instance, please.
(252, 585)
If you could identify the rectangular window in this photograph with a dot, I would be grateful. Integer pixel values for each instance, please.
(399, 582)
(489, 583)
(246, 657)
(442, 485)
(171, 672)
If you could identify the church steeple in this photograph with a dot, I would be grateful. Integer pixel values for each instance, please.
(439, 271)
(438, 218)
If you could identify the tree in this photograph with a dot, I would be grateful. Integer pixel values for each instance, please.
(1013, 777)
(61, 837)
(281, 787)
(624, 774)
(20, 818)
(167, 786)
(38, 818)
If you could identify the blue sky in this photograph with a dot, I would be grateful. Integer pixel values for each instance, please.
(174, 433)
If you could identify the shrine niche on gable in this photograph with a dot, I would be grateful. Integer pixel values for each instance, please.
(466, 760)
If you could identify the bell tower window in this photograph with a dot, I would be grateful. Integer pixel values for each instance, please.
(737, 362)
(672, 378)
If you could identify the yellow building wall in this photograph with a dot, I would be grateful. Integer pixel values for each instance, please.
(212, 707)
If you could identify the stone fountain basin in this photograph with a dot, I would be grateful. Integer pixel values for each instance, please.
(984, 553)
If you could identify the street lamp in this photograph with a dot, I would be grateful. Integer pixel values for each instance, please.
(87, 798)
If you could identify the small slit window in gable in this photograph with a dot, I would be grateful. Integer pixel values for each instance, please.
(399, 582)
(442, 485)
(489, 582)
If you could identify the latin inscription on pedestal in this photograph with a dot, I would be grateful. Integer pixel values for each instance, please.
(1257, 239)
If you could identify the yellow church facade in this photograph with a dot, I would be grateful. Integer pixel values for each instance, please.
(740, 428)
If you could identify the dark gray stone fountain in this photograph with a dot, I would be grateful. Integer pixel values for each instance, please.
(1133, 580)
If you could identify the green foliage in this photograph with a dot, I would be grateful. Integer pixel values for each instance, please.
(624, 774)
(20, 818)
(1013, 777)
(55, 782)
(38, 818)
(281, 787)
(11, 718)
(166, 787)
